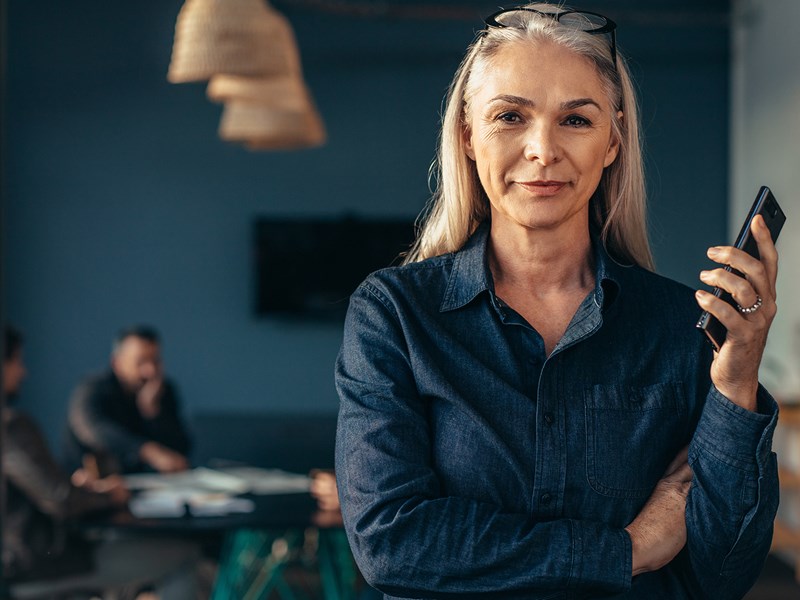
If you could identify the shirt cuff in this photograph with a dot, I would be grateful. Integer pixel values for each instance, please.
(601, 556)
(734, 435)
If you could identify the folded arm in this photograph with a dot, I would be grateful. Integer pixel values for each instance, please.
(409, 537)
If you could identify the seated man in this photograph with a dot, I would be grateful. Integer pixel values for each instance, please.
(127, 419)
(40, 498)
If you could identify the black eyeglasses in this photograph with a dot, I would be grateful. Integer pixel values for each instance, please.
(580, 20)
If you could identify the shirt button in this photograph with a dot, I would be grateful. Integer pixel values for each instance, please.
(545, 499)
(548, 418)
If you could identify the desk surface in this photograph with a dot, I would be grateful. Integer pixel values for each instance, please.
(272, 511)
(277, 510)
(279, 500)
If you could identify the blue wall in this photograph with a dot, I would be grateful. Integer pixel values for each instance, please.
(123, 205)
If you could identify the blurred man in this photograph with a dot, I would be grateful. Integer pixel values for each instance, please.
(127, 419)
(40, 495)
(41, 498)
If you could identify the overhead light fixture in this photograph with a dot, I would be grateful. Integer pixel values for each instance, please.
(267, 113)
(248, 51)
(239, 37)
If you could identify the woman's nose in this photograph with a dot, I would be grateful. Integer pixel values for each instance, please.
(541, 144)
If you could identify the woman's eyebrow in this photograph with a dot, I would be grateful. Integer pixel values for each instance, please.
(579, 103)
(567, 105)
(513, 100)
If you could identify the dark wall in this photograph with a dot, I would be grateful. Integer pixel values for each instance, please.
(123, 205)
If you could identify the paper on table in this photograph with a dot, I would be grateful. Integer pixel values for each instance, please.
(199, 479)
(207, 492)
(170, 504)
(269, 481)
(156, 505)
(211, 505)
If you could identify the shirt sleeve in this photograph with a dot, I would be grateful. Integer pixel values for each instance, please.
(409, 538)
(95, 428)
(31, 468)
(734, 495)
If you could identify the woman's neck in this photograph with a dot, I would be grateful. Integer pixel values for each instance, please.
(544, 262)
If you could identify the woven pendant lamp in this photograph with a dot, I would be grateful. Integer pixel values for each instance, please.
(261, 128)
(239, 37)
(249, 53)
(282, 93)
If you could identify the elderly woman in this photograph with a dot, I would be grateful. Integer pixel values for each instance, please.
(517, 398)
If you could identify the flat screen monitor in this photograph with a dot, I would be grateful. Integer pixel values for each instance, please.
(309, 267)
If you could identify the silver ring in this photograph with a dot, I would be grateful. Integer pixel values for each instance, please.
(750, 309)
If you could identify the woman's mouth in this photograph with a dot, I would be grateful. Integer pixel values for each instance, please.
(543, 187)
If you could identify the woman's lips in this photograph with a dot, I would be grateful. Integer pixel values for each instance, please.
(543, 188)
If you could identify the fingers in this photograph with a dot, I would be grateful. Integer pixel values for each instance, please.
(80, 478)
(741, 289)
(754, 280)
(683, 474)
(759, 273)
(680, 459)
(766, 249)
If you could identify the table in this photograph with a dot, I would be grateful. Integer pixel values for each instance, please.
(257, 547)
(276, 510)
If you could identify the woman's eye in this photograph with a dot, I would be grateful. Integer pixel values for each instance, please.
(577, 121)
(509, 117)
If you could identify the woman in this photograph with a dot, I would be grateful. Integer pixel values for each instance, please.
(517, 398)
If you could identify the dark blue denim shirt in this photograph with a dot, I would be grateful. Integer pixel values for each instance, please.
(472, 465)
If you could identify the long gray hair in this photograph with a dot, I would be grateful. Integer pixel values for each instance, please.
(459, 203)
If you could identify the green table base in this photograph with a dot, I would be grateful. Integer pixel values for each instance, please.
(253, 563)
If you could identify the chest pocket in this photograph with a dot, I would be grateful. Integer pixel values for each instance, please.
(632, 434)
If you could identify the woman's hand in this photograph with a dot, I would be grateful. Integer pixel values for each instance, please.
(658, 532)
(734, 371)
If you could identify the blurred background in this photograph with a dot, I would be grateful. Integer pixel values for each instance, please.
(121, 204)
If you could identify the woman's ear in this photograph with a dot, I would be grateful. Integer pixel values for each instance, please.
(613, 144)
(466, 138)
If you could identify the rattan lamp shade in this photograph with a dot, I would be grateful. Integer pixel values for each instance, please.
(239, 37)
(282, 93)
(263, 127)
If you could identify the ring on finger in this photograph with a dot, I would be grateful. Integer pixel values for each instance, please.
(746, 310)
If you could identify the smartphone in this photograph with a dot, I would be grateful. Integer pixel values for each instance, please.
(766, 206)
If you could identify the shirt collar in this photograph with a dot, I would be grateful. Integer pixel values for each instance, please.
(471, 276)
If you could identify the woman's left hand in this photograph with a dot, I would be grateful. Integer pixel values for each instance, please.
(734, 371)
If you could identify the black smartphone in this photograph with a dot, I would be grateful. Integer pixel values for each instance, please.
(766, 206)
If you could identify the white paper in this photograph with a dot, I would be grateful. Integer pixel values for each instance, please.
(208, 492)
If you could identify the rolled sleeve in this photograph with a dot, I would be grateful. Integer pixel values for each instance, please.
(734, 435)
(734, 495)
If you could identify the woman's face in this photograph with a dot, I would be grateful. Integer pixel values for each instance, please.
(539, 130)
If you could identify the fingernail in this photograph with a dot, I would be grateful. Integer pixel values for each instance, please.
(713, 251)
(704, 275)
(700, 294)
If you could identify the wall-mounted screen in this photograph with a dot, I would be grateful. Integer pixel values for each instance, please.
(309, 267)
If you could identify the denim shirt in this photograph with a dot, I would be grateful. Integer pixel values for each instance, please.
(472, 465)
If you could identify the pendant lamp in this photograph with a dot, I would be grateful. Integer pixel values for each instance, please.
(240, 37)
(267, 113)
(248, 52)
